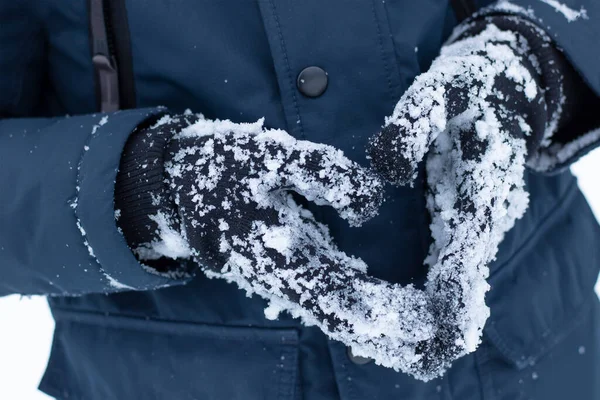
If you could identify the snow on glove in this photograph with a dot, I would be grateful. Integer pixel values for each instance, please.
(229, 191)
(489, 98)
(231, 186)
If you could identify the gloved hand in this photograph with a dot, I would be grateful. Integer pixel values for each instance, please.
(227, 204)
(492, 97)
(232, 186)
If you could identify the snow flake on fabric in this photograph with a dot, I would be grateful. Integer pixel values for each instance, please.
(569, 13)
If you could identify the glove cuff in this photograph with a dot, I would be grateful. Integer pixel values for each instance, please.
(142, 201)
(547, 63)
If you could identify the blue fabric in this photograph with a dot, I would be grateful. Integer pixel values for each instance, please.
(59, 235)
(206, 339)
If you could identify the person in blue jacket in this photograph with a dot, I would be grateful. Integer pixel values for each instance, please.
(187, 183)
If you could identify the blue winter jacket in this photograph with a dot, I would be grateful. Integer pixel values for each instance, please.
(123, 333)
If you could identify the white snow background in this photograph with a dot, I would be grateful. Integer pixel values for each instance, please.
(26, 324)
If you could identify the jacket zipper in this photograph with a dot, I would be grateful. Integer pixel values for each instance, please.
(103, 56)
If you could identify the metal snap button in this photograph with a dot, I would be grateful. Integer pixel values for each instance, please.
(312, 81)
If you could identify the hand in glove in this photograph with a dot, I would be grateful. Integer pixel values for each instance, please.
(230, 185)
(492, 97)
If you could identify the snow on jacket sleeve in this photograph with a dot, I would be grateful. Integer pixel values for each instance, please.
(574, 26)
(58, 233)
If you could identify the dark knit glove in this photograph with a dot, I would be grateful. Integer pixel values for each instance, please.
(492, 97)
(232, 184)
(227, 204)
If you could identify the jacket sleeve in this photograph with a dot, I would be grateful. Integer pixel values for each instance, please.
(574, 27)
(58, 233)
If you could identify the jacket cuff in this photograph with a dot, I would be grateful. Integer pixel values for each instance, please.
(95, 210)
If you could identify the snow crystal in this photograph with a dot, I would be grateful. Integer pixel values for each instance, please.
(505, 5)
(165, 119)
(102, 122)
(111, 281)
(85, 242)
(223, 225)
(116, 284)
(558, 154)
(172, 275)
(273, 310)
(168, 243)
(279, 238)
(205, 127)
(569, 13)
(89, 248)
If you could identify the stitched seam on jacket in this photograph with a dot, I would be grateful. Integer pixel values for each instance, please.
(89, 317)
(84, 238)
(485, 379)
(289, 70)
(352, 395)
(331, 366)
(287, 373)
(396, 92)
(381, 49)
(281, 380)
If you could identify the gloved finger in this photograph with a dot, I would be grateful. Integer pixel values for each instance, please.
(324, 175)
(424, 111)
(332, 287)
(352, 301)
(273, 160)
(340, 294)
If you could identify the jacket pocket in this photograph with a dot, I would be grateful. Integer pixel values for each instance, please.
(540, 292)
(102, 357)
(538, 297)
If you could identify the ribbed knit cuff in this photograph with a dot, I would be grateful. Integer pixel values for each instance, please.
(543, 60)
(140, 190)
